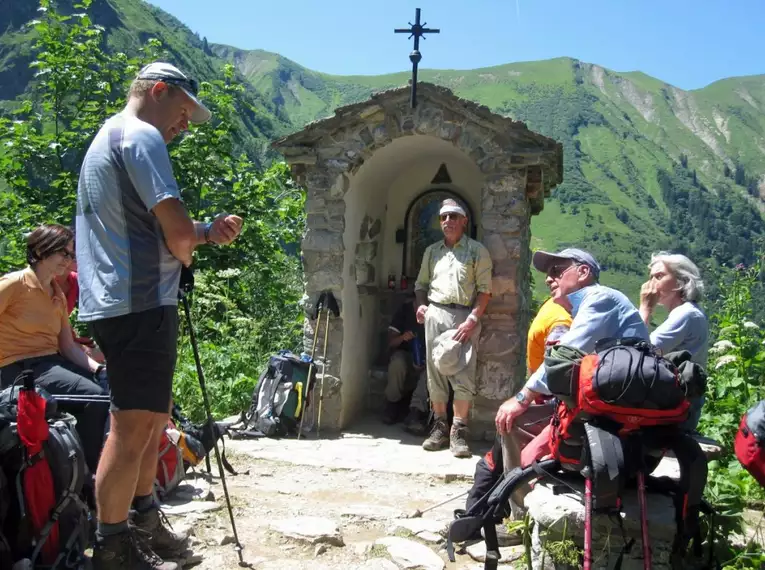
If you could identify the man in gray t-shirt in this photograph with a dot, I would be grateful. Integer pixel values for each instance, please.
(133, 237)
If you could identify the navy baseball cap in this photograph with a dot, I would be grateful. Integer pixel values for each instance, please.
(544, 260)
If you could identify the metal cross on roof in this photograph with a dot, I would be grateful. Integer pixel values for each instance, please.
(417, 31)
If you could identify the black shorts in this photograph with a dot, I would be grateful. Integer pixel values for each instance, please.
(140, 350)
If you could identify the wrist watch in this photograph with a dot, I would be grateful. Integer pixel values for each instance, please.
(521, 397)
(208, 227)
(472, 317)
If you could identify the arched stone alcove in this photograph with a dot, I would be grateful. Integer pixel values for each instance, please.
(362, 170)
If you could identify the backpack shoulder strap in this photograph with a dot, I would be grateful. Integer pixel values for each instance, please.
(688, 493)
(607, 464)
(484, 511)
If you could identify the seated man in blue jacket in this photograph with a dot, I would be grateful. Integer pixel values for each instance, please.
(598, 312)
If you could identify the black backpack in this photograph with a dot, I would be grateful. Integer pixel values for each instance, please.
(64, 453)
(280, 398)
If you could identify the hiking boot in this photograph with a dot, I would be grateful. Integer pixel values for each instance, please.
(439, 436)
(458, 440)
(124, 551)
(391, 413)
(160, 536)
(416, 422)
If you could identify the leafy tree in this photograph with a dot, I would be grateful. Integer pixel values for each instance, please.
(246, 303)
(77, 86)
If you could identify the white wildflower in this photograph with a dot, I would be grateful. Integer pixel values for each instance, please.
(229, 273)
(750, 325)
(721, 346)
(724, 360)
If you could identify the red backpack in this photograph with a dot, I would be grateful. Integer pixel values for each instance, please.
(170, 470)
(619, 410)
(625, 384)
(750, 442)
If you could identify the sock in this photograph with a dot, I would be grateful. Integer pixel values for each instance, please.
(442, 417)
(143, 503)
(459, 421)
(110, 529)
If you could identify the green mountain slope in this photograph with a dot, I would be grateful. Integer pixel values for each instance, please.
(128, 25)
(647, 165)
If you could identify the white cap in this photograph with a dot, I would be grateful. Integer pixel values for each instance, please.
(168, 73)
(450, 356)
(452, 209)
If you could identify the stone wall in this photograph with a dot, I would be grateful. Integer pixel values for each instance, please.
(502, 347)
(518, 168)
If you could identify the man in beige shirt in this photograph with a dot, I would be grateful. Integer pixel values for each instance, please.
(452, 290)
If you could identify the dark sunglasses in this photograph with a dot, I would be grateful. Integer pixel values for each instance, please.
(445, 217)
(556, 271)
(189, 84)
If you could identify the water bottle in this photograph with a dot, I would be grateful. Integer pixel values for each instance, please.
(418, 355)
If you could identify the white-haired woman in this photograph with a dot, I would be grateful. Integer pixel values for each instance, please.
(675, 283)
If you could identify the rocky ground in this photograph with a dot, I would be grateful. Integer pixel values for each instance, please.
(338, 503)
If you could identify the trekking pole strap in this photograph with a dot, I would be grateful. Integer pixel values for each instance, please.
(628, 544)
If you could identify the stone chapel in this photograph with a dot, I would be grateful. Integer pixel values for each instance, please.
(374, 174)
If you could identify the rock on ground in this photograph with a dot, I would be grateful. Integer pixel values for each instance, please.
(371, 512)
(431, 537)
(313, 530)
(410, 554)
(508, 554)
(376, 564)
(416, 526)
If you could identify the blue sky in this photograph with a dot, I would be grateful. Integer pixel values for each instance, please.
(689, 43)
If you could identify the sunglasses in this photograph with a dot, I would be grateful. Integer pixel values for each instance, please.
(445, 217)
(557, 271)
(67, 254)
(189, 84)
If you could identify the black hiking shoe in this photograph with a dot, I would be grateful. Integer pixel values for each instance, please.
(439, 436)
(392, 413)
(160, 537)
(124, 551)
(416, 422)
(458, 440)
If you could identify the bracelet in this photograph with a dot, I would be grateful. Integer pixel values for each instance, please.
(208, 227)
(472, 317)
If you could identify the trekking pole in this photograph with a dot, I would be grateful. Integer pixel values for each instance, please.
(317, 318)
(644, 519)
(323, 372)
(587, 523)
(418, 513)
(335, 310)
(186, 286)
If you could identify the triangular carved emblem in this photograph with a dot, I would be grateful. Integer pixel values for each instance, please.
(442, 176)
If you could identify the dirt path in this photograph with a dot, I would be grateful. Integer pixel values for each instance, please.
(363, 501)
